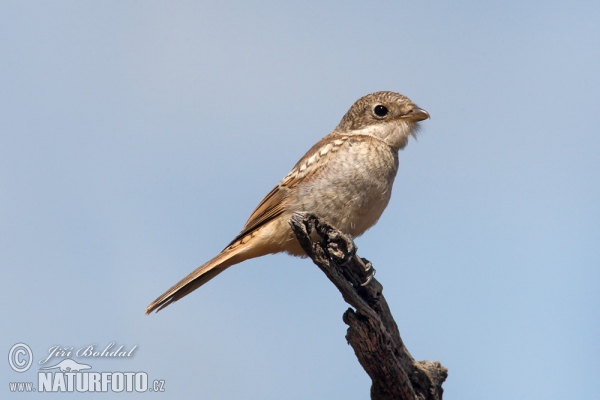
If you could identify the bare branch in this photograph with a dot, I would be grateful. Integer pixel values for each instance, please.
(372, 331)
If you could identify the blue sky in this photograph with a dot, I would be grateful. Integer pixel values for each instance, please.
(137, 137)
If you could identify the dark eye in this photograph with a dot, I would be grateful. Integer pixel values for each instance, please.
(380, 111)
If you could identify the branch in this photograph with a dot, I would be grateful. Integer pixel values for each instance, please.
(372, 332)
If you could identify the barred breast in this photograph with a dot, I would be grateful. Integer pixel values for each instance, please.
(355, 187)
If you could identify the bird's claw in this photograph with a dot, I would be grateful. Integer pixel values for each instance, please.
(368, 268)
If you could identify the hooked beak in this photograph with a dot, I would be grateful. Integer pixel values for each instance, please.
(416, 114)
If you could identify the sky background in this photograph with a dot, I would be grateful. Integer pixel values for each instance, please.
(137, 137)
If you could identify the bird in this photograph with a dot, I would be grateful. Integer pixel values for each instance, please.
(346, 178)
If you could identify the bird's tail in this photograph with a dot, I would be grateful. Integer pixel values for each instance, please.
(240, 250)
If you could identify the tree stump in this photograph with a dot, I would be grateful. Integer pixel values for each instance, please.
(372, 331)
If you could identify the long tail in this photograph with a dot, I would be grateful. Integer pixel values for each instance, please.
(233, 254)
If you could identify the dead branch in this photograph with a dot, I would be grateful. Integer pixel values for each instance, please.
(372, 331)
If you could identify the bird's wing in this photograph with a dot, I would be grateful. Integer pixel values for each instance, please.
(273, 205)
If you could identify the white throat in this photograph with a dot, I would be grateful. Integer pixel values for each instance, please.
(395, 133)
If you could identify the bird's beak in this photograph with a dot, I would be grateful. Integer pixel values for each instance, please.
(416, 114)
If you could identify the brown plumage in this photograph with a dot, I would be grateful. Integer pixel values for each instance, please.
(346, 178)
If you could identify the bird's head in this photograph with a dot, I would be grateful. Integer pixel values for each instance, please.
(389, 116)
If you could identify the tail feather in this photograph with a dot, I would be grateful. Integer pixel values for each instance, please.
(254, 243)
(244, 248)
(232, 255)
(193, 281)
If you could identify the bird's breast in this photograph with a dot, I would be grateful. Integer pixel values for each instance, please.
(354, 188)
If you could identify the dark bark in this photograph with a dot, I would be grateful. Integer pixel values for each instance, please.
(372, 332)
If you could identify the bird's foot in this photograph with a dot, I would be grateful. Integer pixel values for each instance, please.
(368, 269)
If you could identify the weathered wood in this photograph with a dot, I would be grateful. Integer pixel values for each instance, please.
(372, 331)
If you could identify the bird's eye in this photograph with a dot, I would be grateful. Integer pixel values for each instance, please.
(380, 111)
